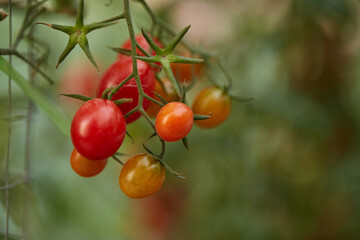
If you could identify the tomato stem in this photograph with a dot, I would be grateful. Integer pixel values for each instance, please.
(117, 159)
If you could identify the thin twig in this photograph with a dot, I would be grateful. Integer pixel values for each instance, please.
(16, 183)
(27, 157)
(11, 51)
(7, 202)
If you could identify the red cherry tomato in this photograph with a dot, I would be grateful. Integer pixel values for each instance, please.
(142, 42)
(174, 121)
(170, 96)
(141, 176)
(98, 129)
(116, 73)
(214, 101)
(86, 167)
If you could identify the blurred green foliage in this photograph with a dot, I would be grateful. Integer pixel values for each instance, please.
(285, 166)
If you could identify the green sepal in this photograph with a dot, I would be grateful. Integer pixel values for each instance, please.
(123, 51)
(71, 44)
(179, 59)
(186, 143)
(175, 41)
(122, 100)
(117, 159)
(118, 17)
(198, 117)
(150, 59)
(152, 44)
(171, 76)
(62, 28)
(121, 154)
(77, 96)
(142, 50)
(83, 42)
(161, 98)
(183, 93)
(89, 28)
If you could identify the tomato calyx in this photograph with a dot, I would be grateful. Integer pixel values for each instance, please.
(165, 56)
(77, 33)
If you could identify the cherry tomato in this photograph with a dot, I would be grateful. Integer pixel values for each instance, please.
(170, 96)
(214, 101)
(184, 72)
(78, 78)
(142, 42)
(141, 176)
(86, 167)
(174, 121)
(116, 73)
(98, 129)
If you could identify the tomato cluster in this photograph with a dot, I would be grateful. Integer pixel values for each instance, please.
(99, 126)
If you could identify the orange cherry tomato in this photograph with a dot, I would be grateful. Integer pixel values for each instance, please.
(174, 121)
(214, 101)
(170, 96)
(185, 72)
(86, 167)
(141, 176)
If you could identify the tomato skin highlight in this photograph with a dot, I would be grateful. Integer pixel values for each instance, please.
(98, 129)
(170, 96)
(116, 73)
(212, 101)
(85, 167)
(174, 121)
(141, 176)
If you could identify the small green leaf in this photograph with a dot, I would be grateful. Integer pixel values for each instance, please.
(77, 96)
(49, 109)
(201, 117)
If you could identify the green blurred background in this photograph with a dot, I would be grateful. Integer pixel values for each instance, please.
(285, 166)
